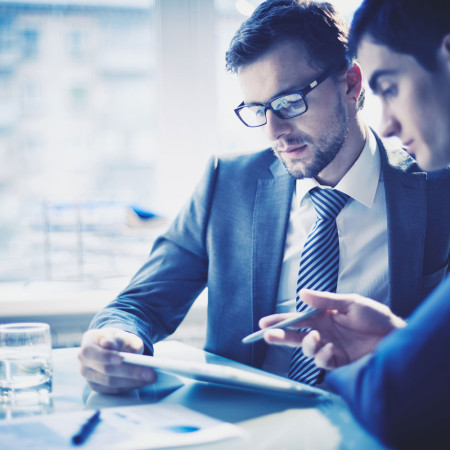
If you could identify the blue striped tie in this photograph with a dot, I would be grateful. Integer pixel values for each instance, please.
(319, 268)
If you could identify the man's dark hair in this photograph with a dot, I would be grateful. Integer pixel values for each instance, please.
(316, 25)
(413, 27)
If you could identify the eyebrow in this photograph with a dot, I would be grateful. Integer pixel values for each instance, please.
(373, 82)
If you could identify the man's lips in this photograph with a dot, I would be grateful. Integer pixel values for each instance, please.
(294, 150)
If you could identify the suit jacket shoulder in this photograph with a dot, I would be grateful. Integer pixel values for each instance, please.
(418, 215)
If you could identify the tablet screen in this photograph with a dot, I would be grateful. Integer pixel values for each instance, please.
(216, 373)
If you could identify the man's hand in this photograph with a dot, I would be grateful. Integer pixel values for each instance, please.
(350, 327)
(102, 366)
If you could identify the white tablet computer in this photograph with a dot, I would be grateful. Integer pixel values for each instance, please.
(216, 373)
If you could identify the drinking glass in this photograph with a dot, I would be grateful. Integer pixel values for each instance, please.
(26, 369)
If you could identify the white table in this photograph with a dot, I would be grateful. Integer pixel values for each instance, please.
(270, 421)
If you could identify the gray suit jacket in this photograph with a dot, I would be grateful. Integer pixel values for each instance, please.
(230, 238)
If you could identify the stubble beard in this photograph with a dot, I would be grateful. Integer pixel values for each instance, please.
(324, 151)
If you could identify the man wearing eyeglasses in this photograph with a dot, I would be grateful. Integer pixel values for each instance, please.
(245, 229)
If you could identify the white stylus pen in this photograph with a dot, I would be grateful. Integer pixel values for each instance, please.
(283, 324)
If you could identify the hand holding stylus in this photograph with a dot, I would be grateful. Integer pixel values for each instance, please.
(297, 318)
(349, 327)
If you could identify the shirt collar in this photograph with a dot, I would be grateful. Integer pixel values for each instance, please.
(361, 180)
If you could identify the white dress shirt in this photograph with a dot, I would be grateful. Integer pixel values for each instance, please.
(363, 244)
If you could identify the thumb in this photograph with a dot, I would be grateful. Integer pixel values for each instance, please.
(122, 341)
(111, 343)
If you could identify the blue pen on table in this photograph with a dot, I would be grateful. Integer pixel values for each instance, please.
(86, 429)
(258, 335)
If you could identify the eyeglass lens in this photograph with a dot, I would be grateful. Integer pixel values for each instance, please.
(285, 107)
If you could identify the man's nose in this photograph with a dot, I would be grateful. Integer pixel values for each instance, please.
(275, 126)
(390, 126)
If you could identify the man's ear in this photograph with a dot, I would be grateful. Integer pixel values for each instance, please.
(354, 81)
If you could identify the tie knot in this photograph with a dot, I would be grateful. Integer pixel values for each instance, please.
(328, 202)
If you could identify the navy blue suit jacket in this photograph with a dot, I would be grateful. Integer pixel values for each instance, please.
(401, 393)
(230, 238)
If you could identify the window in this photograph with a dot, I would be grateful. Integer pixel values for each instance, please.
(109, 107)
(77, 134)
(30, 43)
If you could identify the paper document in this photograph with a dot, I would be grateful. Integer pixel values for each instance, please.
(134, 427)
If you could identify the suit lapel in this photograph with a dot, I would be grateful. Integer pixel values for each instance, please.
(270, 222)
(406, 207)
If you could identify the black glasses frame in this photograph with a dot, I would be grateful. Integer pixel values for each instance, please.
(303, 92)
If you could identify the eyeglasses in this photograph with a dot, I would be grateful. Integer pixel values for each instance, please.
(285, 106)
